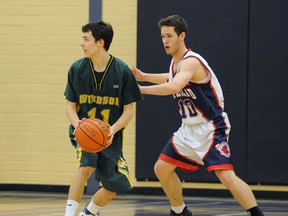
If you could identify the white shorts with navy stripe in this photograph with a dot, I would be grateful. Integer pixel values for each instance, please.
(194, 146)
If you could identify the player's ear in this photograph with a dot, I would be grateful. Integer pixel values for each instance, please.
(100, 42)
(182, 36)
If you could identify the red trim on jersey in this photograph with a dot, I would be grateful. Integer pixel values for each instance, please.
(186, 53)
(220, 167)
(212, 87)
(174, 72)
(204, 67)
(215, 94)
(200, 111)
(181, 165)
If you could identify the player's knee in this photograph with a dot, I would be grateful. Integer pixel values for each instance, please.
(227, 177)
(109, 194)
(86, 171)
(160, 169)
(157, 169)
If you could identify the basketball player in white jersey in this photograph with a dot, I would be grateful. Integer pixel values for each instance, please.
(202, 138)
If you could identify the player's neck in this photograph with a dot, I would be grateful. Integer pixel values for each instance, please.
(177, 57)
(100, 62)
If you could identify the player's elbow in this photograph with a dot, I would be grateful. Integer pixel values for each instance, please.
(175, 89)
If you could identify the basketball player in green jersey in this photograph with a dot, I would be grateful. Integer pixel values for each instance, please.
(100, 86)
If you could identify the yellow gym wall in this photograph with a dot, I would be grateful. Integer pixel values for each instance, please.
(39, 41)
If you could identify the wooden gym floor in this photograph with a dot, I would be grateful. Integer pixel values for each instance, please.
(52, 204)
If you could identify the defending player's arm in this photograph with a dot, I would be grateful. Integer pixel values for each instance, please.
(156, 78)
(123, 121)
(189, 68)
(72, 114)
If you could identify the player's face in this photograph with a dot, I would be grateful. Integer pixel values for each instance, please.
(170, 40)
(89, 45)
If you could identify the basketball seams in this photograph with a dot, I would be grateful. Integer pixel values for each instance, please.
(89, 149)
(99, 128)
(87, 135)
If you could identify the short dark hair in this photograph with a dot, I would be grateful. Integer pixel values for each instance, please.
(179, 23)
(100, 30)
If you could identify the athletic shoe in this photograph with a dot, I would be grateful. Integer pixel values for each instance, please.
(86, 212)
(185, 212)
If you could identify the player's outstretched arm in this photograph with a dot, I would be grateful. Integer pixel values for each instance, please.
(156, 78)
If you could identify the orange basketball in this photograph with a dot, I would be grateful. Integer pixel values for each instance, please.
(92, 135)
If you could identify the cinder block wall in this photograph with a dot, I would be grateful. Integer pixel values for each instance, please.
(39, 41)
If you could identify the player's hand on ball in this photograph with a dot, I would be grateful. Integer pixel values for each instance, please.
(79, 121)
(92, 135)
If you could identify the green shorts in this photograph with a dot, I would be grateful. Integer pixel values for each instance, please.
(114, 176)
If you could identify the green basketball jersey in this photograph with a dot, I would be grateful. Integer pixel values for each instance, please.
(105, 98)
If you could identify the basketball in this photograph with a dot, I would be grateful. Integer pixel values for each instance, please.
(92, 135)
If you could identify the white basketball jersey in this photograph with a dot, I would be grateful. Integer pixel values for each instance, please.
(198, 101)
